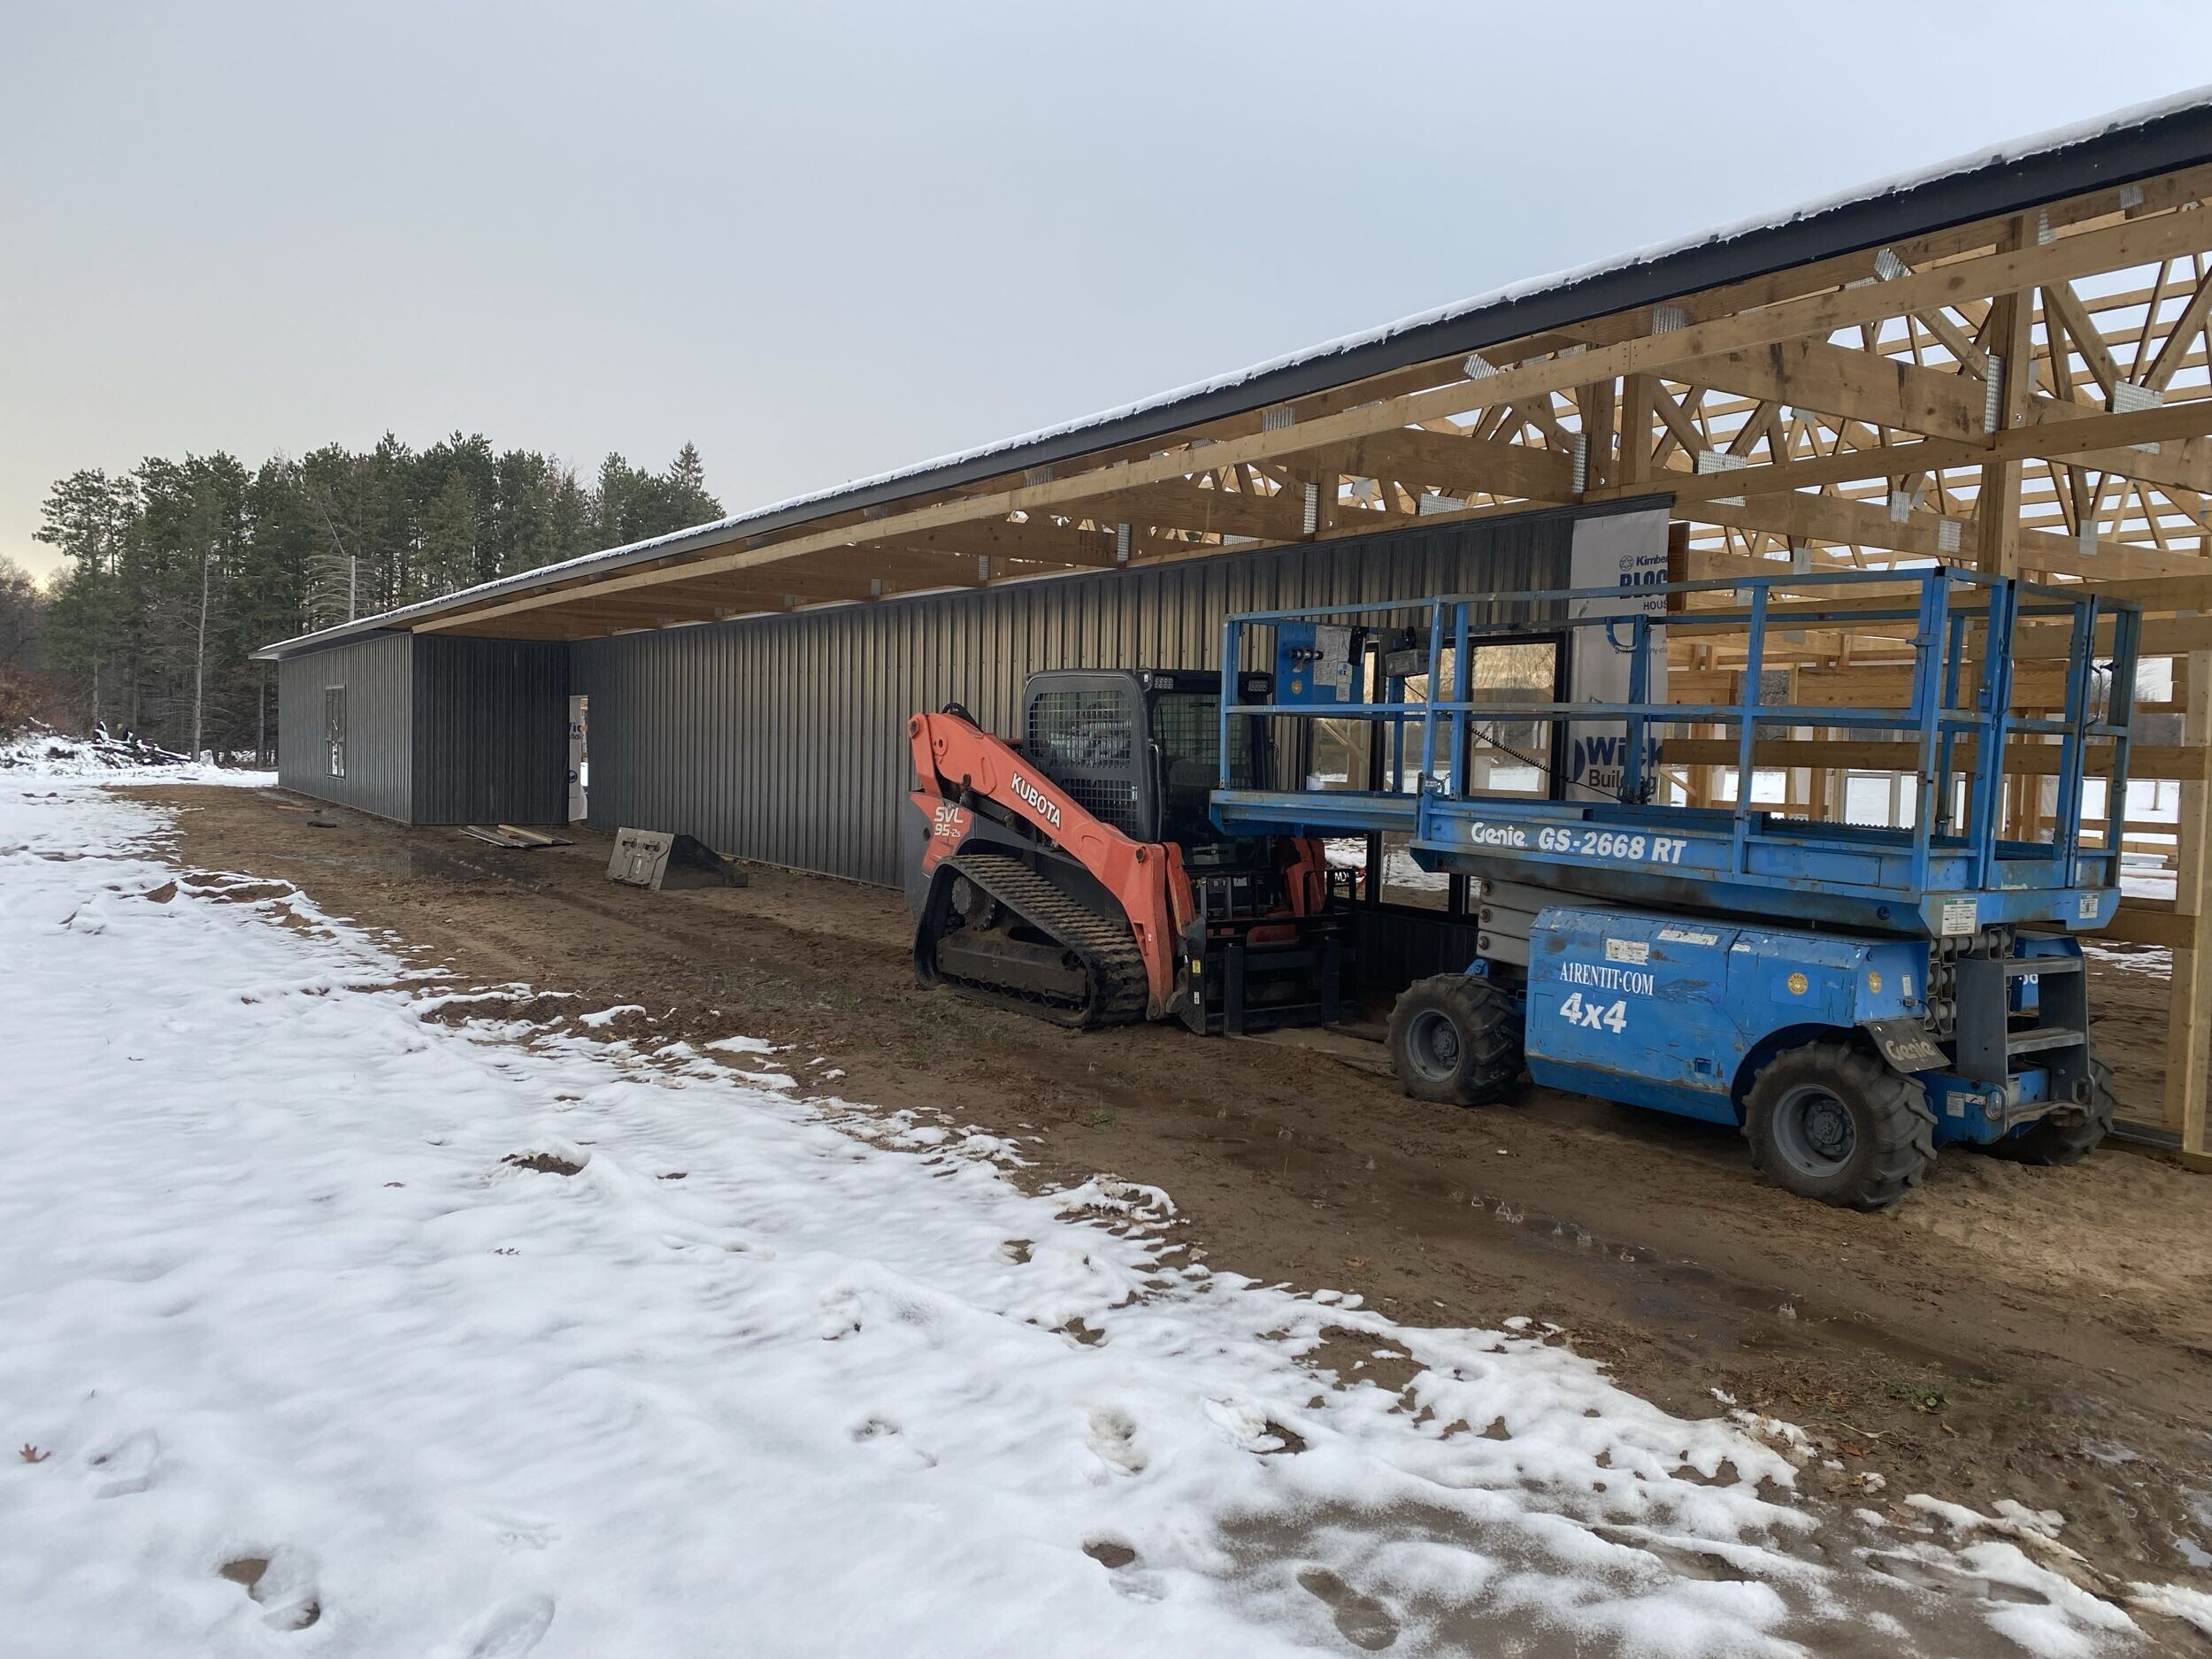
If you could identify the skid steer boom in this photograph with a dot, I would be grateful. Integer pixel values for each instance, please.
(1032, 899)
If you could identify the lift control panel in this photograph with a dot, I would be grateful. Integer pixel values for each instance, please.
(1316, 665)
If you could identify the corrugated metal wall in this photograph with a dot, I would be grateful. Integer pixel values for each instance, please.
(784, 737)
(490, 731)
(438, 731)
(378, 674)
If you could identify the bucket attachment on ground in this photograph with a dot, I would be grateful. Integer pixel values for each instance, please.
(663, 859)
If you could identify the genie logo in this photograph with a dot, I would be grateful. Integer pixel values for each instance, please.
(1035, 799)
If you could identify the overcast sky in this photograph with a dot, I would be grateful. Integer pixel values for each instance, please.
(820, 242)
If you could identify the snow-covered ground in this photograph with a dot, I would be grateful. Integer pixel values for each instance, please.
(40, 752)
(491, 1339)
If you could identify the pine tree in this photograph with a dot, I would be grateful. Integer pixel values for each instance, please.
(691, 504)
(622, 489)
(570, 515)
(449, 539)
(688, 472)
(471, 457)
(391, 558)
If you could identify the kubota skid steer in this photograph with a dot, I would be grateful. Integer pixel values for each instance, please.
(1077, 873)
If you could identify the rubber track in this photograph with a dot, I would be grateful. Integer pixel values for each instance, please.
(1108, 950)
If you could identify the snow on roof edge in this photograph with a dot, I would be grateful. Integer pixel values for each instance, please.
(2048, 141)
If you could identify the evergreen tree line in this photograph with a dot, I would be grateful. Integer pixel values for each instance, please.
(177, 570)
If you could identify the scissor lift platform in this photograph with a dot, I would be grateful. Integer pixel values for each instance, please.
(1950, 875)
(1693, 859)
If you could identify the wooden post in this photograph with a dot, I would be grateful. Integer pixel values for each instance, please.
(1640, 396)
(1997, 506)
(1594, 403)
(1700, 778)
(2189, 1022)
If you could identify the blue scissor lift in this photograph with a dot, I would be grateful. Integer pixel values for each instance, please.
(1853, 997)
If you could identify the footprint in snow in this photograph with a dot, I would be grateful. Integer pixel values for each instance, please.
(1359, 1619)
(1113, 1438)
(1708, 1565)
(840, 1315)
(128, 1464)
(512, 1631)
(889, 1433)
(283, 1583)
(521, 1533)
(1129, 1578)
(1252, 1429)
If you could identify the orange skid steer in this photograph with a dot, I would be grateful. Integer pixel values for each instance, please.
(1077, 873)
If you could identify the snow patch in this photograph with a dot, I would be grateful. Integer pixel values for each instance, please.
(40, 752)
(2176, 1602)
(608, 1016)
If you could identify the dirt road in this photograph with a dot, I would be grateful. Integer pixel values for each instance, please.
(2005, 1332)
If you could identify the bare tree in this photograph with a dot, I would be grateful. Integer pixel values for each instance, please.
(199, 649)
(340, 570)
(22, 617)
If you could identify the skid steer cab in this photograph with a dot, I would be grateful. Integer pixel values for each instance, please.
(1075, 871)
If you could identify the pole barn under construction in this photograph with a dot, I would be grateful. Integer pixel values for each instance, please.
(2000, 363)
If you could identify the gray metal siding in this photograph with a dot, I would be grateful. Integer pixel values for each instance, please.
(784, 737)
(378, 675)
(490, 731)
